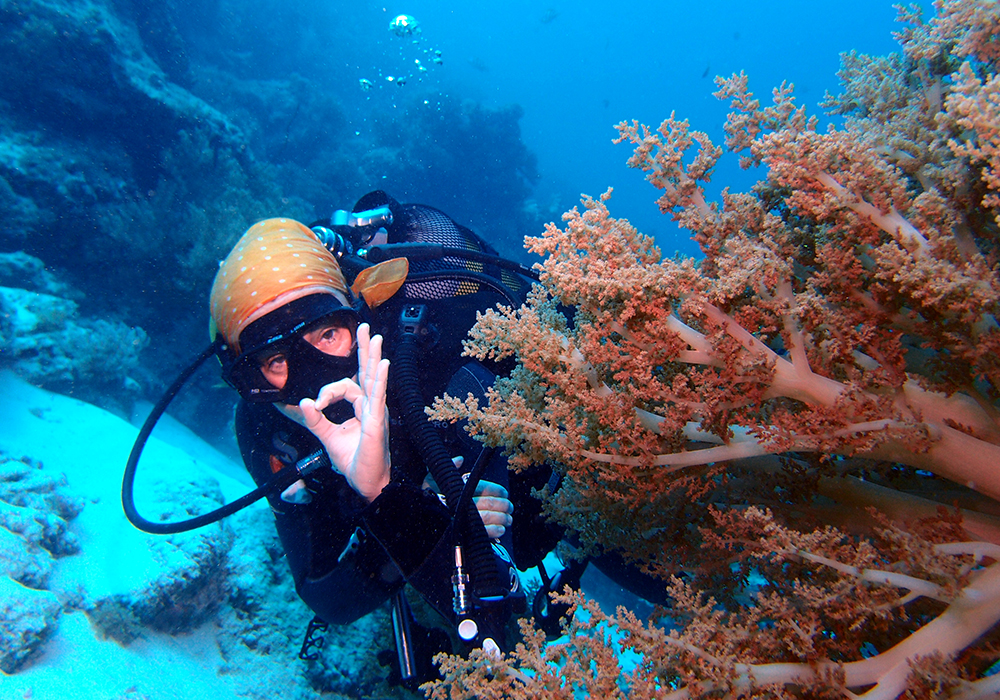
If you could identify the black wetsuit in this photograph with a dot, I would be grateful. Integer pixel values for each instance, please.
(340, 569)
(348, 556)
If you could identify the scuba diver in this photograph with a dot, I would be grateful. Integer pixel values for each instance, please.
(336, 337)
(404, 501)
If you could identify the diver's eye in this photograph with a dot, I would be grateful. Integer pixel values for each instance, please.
(274, 368)
(332, 339)
(274, 363)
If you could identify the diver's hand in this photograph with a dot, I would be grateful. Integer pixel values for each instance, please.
(495, 508)
(358, 447)
(491, 501)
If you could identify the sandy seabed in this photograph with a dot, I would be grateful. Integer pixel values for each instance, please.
(90, 447)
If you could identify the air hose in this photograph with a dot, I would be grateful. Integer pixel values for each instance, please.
(478, 552)
(277, 483)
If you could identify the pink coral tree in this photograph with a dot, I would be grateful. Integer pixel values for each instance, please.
(844, 307)
(836, 347)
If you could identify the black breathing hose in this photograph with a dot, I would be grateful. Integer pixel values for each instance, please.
(478, 552)
(279, 482)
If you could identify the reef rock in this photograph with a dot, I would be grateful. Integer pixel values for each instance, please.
(35, 512)
(111, 170)
(85, 62)
(23, 271)
(47, 342)
(28, 565)
(181, 579)
(28, 618)
(35, 505)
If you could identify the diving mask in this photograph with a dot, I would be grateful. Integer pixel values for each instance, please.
(282, 332)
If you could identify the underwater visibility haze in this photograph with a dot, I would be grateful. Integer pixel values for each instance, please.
(761, 358)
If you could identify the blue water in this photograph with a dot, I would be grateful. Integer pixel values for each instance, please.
(597, 63)
(574, 68)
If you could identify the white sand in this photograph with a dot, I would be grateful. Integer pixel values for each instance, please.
(90, 446)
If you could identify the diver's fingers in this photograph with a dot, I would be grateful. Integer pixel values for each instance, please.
(496, 522)
(374, 349)
(368, 373)
(311, 415)
(500, 506)
(494, 518)
(369, 406)
(488, 488)
(364, 342)
(495, 532)
(376, 386)
(340, 390)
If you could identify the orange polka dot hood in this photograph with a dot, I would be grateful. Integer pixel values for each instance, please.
(276, 261)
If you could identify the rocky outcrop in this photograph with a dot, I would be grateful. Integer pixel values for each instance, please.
(111, 171)
(181, 582)
(28, 618)
(82, 65)
(46, 341)
(35, 512)
(185, 574)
